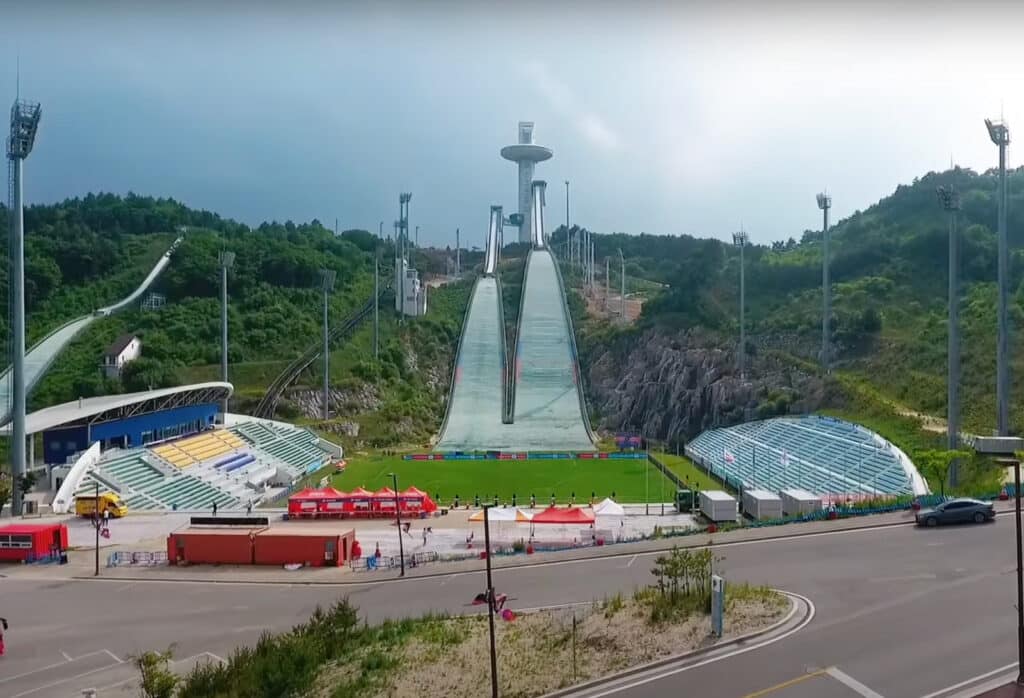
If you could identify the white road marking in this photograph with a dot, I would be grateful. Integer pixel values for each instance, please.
(113, 656)
(66, 656)
(905, 578)
(49, 666)
(76, 677)
(851, 683)
(973, 679)
(741, 650)
(632, 560)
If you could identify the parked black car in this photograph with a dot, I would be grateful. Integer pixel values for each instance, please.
(957, 511)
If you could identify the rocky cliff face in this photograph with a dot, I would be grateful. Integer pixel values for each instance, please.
(671, 387)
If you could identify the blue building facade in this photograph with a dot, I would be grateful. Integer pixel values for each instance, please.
(128, 432)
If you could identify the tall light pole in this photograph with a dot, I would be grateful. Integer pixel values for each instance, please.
(607, 286)
(24, 124)
(376, 291)
(417, 239)
(622, 283)
(327, 277)
(568, 237)
(226, 260)
(403, 233)
(999, 132)
(398, 525)
(950, 200)
(825, 203)
(458, 254)
(740, 239)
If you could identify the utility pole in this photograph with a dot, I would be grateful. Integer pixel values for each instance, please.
(417, 237)
(950, 200)
(227, 260)
(999, 132)
(740, 240)
(458, 254)
(825, 203)
(96, 522)
(327, 277)
(24, 124)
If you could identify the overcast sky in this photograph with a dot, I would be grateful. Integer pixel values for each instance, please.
(666, 117)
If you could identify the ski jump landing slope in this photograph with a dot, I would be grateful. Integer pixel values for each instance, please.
(41, 356)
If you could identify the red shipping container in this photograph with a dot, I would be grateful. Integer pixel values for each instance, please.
(19, 541)
(215, 546)
(317, 546)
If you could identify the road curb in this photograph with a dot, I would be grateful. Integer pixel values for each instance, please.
(795, 603)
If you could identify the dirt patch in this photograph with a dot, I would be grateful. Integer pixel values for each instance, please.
(535, 651)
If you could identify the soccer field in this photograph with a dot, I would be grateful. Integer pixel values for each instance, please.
(632, 481)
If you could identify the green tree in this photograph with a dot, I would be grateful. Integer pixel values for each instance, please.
(156, 680)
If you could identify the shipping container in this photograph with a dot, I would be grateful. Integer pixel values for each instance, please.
(315, 546)
(799, 502)
(212, 546)
(718, 506)
(22, 542)
(762, 505)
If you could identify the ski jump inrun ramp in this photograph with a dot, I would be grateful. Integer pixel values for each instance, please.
(534, 402)
(41, 356)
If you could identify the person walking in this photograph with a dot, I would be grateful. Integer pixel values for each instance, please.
(3, 627)
(215, 508)
(106, 519)
(248, 508)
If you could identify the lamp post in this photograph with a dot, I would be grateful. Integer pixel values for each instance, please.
(327, 277)
(950, 200)
(740, 240)
(622, 284)
(825, 203)
(96, 525)
(490, 602)
(226, 260)
(398, 525)
(999, 132)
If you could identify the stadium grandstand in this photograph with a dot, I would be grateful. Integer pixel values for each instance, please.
(825, 456)
(169, 449)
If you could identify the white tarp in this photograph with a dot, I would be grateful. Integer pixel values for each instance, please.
(608, 507)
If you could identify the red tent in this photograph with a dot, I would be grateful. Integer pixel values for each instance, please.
(413, 499)
(304, 502)
(332, 501)
(384, 498)
(572, 515)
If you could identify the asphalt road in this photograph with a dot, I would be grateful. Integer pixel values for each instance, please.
(899, 613)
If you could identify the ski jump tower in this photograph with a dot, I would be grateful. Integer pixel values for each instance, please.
(526, 154)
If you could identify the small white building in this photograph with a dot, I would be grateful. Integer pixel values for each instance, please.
(125, 348)
(415, 292)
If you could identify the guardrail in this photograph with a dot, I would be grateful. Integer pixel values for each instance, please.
(137, 559)
(580, 382)
(458, 357)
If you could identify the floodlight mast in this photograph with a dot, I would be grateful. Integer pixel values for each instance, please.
(825, 203)
(226, 260)
(949, 197)
(740, 239)
(24, 125)
(999, 132)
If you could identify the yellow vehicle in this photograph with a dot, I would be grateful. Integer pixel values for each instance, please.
(108, 501)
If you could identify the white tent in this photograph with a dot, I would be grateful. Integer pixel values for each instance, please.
(608, 507)
(496, 514)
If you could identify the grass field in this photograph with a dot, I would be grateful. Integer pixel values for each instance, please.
(684, 468)
(630, 480)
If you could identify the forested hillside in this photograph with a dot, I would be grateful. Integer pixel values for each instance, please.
(84, 253)
(889, 276)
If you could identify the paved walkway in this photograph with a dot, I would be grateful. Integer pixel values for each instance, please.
(81, 563)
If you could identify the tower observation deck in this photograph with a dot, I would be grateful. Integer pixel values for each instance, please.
(526, 154)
